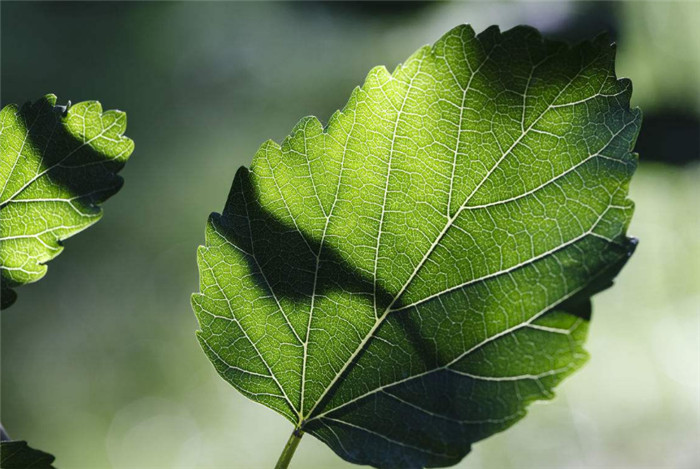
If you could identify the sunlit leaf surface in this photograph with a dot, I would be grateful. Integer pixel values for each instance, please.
(406, 280)
(57, 164)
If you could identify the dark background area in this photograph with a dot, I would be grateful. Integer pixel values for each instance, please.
(100, 365)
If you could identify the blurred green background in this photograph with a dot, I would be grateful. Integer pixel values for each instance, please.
(100, 365)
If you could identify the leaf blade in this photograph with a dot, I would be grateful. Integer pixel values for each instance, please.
(58, 165)
(467, 200)
(18, 455)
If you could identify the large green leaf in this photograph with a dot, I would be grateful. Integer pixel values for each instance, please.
(58, 163)
(404, 281)
(19, 455)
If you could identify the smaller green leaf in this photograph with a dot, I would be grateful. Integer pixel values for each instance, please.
(19, 455)
(57, 165)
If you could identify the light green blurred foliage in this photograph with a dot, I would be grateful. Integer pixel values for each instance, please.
(661, 50)
(113, 376)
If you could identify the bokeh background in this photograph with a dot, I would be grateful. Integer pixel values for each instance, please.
(100, 365)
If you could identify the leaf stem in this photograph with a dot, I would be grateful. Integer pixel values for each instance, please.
(289, 448)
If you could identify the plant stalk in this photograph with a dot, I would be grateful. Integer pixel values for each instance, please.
(289, 448)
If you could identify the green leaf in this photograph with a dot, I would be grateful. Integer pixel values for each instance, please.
(58, 164)
(18, 455)
(406, 280)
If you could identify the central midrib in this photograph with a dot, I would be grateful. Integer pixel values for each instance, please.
(302, 418)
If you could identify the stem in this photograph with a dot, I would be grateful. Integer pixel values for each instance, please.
(289, 448)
